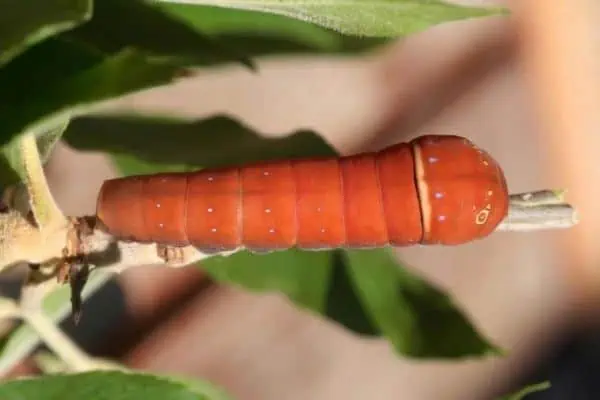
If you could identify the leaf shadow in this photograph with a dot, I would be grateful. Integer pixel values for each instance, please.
(213, 142)
(343, 305)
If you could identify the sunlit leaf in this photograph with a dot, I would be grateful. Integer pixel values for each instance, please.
(118, 25)
(102, 385)
(74, 78)
(522, 394)
(387, 18)
(260, 33)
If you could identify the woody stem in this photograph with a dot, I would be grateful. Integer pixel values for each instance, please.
(539, 210)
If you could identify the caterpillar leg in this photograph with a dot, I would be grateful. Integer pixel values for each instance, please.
(172, 255)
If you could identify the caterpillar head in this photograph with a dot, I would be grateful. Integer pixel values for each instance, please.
(462, 189)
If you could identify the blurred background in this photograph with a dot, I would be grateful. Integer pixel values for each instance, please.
(462, 78)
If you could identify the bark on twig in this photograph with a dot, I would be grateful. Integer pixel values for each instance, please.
(541, 210)
(528, 212)
(533, 211)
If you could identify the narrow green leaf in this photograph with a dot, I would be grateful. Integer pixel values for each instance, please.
(74, 78)
(261, 33)
(213, 142)
(118, 25)
(419, 319)
(57, 305)
(109, 385)
(384, 18)
(24, 23)
(50, 363)
(522, 394)
(204, 388)
(303, 276)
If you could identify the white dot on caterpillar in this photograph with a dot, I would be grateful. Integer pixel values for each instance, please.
(157, 205)
(267, 210)
(486, 163)
(322, 230)
(266, 173)
(271, 230)
(210, 179)
(441, 218)
(213, 230)
(161, 225)
(210, 209)
(432, 160)
(489, 193)
(438, 195)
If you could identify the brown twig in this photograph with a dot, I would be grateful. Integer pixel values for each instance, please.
(528, 212)
(541, 210)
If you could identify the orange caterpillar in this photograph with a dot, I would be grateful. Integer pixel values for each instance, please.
(433, 190)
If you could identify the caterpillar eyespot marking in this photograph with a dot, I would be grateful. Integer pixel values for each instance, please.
(482, 216)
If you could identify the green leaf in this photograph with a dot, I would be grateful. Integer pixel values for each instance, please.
(213, 142)
(365, 291)
(73, 79)
(24, 23)
(302, 276)
(522, 394)
(384, 18)
(419, 319)
(109, 385)
(118, 25)
(261, 33)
